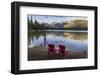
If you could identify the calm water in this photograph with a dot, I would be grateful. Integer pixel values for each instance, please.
(72, 40)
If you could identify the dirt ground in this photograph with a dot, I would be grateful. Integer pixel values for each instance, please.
(41, 53)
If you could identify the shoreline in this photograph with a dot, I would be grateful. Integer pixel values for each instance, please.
(41, 53)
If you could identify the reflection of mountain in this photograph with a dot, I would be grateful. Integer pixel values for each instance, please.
(74, 43)
(76, 36)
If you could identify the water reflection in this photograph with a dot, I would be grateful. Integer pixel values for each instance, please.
(72, 40)
(80, 36)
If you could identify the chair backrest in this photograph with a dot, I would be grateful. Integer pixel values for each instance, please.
(61, 47)
(51, 46)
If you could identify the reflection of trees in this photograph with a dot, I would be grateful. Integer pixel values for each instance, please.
(34, 29)
(59, 33)
(34, 35)
(71, 35)
(76, 36)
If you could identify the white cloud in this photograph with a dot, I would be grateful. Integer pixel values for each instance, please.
(50, 19)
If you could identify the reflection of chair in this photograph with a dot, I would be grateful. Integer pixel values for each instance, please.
(51, 49)
(62, 50)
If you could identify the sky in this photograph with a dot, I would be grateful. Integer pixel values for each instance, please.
(51, 18)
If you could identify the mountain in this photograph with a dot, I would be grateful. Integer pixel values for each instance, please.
(77, 24)
(54, 25)
(72, 25)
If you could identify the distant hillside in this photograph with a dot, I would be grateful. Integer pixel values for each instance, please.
(72, 25)
(76, 24)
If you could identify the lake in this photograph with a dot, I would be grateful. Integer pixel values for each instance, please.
(71, 39)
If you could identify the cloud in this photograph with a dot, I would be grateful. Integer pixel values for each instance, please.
(50, 19)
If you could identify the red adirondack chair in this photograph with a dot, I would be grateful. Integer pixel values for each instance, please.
(62, 50)
(51, 49)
